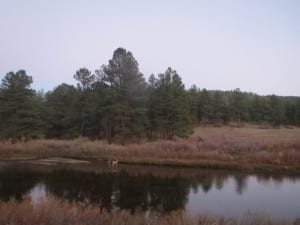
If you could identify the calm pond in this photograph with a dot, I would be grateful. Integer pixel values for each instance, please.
(149, 188)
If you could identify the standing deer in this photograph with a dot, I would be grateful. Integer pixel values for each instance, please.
(114, 163)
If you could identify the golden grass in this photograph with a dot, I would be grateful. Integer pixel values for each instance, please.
(52, 211)
(213, 147)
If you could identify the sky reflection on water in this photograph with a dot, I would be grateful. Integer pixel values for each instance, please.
(151, 188)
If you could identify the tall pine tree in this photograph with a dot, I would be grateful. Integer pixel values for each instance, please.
(20, 119)
(126, 113)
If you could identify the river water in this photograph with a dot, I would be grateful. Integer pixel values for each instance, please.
(198, 191)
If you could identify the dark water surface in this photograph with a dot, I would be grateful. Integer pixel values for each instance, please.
(151, 188)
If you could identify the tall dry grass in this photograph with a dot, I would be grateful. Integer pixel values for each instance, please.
(52, 211)
(208, 145)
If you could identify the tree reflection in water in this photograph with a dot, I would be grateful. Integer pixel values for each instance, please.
(124, 189)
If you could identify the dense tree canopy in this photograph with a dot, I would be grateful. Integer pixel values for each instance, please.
(19, 112)
(168, 108)
(85, 79)
(126, 88)
(117, 104)
(63, 112)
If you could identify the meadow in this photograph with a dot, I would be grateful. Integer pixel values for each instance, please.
(249, 148)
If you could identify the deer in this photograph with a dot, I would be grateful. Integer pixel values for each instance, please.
(113, 163)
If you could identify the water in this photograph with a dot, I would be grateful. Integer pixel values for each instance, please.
(197, 191)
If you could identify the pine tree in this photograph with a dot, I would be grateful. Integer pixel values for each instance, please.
(20, 118)
(85, 79)
(170, 109)
(126, 115)
(63, 114)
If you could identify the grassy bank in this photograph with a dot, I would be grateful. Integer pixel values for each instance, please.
(54, 211)
(249, 148)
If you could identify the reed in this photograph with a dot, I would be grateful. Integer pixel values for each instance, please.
(52, 211)
(214, 147)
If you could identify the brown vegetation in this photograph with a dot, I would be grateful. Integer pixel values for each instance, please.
(249, 148)
(53, 211)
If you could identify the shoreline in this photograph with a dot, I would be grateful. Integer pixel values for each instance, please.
(248, 149)
(213, 165)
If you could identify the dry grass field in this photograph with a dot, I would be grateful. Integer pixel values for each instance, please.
(51, 211)
(250, 148)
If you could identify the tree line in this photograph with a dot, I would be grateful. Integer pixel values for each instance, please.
(116, 103)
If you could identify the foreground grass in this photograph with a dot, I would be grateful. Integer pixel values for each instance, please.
(51, 211)
(248, 148)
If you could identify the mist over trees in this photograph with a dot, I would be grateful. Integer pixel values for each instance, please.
(117, 104)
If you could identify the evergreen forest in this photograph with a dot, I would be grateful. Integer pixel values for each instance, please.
(117, 104)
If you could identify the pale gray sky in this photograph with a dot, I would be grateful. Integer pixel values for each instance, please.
(253, 45)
